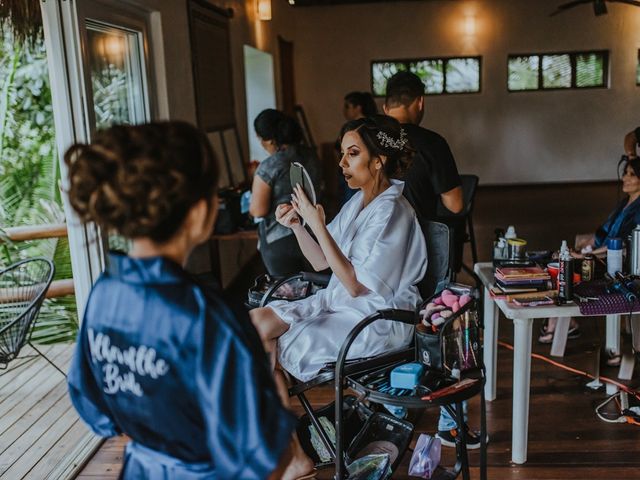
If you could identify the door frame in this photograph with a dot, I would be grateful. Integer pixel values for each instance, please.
(74, 118)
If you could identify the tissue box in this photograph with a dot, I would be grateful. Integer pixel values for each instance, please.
(406, 376)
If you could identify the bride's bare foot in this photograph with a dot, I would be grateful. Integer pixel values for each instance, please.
(300, 467)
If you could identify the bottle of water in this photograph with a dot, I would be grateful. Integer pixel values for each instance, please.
(614, 256)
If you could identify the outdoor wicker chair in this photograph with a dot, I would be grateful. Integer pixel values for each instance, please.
(23, 286)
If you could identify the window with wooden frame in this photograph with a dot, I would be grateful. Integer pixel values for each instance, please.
(440, 75)
(556, 71)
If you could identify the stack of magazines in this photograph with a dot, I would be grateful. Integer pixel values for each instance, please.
(520, 280)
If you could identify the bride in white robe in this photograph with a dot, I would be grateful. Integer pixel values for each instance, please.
(375, 249)
(384, 243)
(377, 256)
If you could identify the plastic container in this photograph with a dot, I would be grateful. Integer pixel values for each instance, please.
(614, 256)
(406, 376)
(457, 341)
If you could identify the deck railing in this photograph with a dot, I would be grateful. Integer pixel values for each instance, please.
(58, 288)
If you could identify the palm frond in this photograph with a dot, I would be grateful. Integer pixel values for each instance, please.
(57, 321)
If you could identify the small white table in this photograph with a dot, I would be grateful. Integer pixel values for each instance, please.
(522, 318)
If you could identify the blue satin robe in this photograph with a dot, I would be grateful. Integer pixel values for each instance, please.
(170, 365)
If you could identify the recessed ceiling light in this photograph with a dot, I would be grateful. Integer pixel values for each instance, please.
(292, 2)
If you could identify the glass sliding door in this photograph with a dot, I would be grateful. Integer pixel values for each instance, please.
(115, 45)
(118, 77)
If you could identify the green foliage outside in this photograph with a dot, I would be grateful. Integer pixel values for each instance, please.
(462, 74)
(557, 71)
(29, 175)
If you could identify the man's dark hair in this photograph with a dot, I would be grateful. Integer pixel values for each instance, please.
(403, 88)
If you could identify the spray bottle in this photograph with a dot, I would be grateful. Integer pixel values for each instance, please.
(565, 274)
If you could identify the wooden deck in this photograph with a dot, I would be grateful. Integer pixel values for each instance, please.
(41, 436)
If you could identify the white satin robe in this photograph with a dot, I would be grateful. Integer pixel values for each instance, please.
(386, 247)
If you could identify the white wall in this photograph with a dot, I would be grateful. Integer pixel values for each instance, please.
(503, 137)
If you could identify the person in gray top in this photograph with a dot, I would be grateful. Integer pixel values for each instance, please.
(281, 137)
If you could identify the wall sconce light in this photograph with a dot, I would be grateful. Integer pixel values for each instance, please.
(470, 26)
(264, 9)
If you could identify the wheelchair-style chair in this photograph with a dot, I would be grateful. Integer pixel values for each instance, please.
(461, 224)
(23, 286)
(438, 274)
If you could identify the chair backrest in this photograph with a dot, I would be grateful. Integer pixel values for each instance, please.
(22, 290)
(438, 241)
(469, 187)
(459, 222)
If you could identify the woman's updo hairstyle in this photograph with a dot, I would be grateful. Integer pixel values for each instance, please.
(275, 125)
(141, 181)
(383, 135)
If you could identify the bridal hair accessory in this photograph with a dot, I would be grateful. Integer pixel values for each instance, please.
(388, 142)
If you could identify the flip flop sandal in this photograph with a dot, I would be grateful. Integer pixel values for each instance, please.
(574, 332)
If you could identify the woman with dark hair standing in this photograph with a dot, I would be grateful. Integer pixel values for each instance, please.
(281, 137)
(154, 347)
(359, 105)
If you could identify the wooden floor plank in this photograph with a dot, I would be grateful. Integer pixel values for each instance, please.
(61, 448)
(30, 449)
(19, 370)
(43, 407)
(19, 401)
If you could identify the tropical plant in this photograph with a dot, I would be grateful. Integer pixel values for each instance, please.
(29, 174)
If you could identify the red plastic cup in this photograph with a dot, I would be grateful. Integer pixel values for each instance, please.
(553, 268)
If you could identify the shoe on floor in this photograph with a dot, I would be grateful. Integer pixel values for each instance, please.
(448, 438)
(547, 337)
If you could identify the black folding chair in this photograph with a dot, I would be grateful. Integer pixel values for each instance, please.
(461, 224)
(23, 286)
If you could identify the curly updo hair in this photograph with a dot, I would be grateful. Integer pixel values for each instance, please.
(383, 135)
(141, 181)
(275, 125)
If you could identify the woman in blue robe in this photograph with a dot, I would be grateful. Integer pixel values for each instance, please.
(158, 357)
